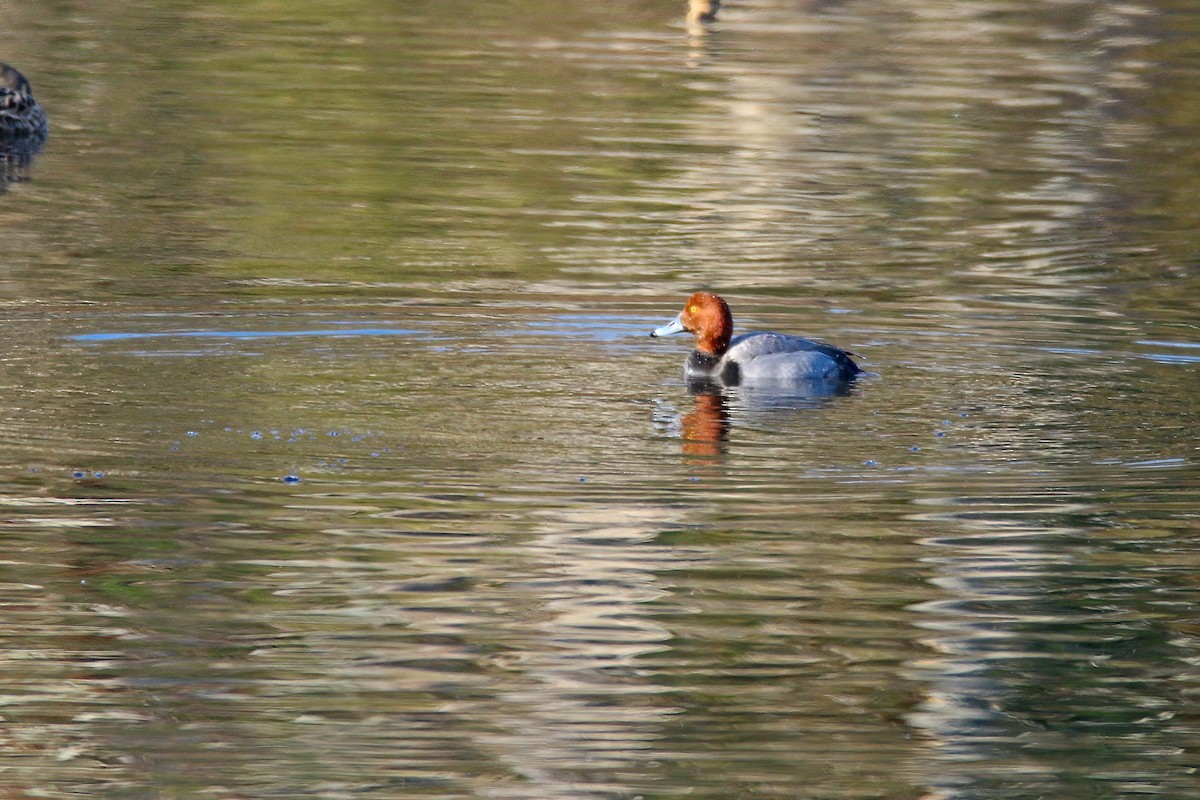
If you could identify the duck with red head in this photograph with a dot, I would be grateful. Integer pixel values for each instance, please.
(759, 357)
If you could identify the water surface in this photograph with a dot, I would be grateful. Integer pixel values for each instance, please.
(335, 460)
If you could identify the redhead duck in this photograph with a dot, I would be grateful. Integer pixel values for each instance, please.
(20, 114)
(757, 357)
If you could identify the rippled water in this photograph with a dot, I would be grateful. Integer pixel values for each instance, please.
(335, 460)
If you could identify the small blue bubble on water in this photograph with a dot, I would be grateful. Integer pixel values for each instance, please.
(939, 433)
(947, 422)
(174, 448)
(583, 479)
(694, 479)
(964, 414)
(256, 435)
(374, 455)
(97, 474)
(78, 474)
(333, 433)
(915, 449)
(291, 478)
(192, 433)
(870, 462)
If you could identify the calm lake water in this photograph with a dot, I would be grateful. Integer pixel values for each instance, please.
(335, 460)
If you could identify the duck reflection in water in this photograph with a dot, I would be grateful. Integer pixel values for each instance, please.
(23, 126)
(705, 429)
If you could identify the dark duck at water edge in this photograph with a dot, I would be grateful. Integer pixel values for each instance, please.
(21, 118)
(703, 10)
(759, 357)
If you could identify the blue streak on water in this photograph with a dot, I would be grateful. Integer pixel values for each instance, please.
(604, 327)
(1165, 358)
(211, 334)
(1164, 343)
(1158, 463)
(1171, 358)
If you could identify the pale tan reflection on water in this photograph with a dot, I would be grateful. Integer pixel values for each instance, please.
(938, 150)
(1046, 630)
(962, 708)
(58, 687)
(586, 702)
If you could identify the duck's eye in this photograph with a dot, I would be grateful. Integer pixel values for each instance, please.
(693, 309)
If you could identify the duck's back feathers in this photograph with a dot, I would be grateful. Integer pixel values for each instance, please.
(778, 357)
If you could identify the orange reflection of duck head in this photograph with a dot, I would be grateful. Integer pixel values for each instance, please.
(706, 429)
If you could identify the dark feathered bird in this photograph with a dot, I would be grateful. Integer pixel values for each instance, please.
(20, 114)
(703, 10)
